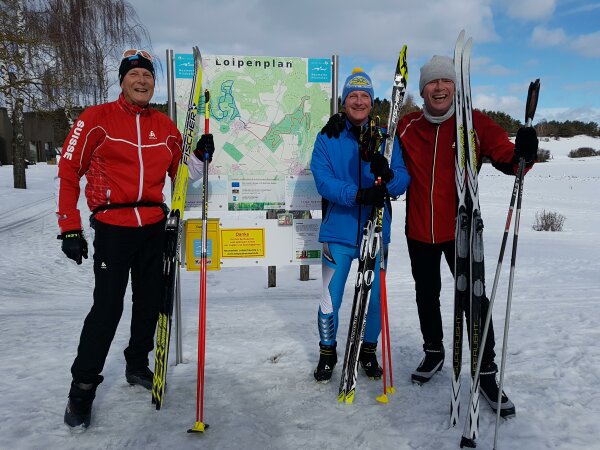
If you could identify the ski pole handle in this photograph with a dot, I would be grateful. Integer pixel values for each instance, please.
(206, 116)
(532, 100)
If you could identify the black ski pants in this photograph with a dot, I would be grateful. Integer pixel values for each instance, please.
(119, 251)
(425, 262)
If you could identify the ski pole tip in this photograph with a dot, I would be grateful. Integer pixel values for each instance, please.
(198, 427)
(383, 398)
(391, 390)
(467, 442)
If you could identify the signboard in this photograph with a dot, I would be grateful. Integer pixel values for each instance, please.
(243, 243)
(193, 243)
(265, 115)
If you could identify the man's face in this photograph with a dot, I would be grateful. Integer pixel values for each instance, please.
(438, 96)
(358, 107)
(138, 86)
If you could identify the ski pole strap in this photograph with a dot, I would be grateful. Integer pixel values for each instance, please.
(101, 208)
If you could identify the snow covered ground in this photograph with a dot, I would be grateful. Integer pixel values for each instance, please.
(262, 343)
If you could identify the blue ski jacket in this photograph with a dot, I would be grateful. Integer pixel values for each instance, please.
(339, 173)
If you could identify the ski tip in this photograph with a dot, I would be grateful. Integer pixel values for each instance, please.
(198, 427)
(391, 390)
(350, 397)
(383, 398)
(467, 442)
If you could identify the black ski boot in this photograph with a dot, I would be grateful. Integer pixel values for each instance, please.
(142, 377)
(368, 361)
(488, 386)
(327, 362)
(78, 413)
(431, 363)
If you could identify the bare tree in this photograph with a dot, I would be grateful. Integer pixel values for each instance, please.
(60, 54)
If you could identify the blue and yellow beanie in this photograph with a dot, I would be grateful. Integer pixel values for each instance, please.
(358, 81)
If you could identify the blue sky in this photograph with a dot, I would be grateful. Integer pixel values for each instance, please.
(515, 42)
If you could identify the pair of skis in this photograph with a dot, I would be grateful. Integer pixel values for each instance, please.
(371, 246)
(173, 234)
(469, 257)
(171, 255)
(469, 264)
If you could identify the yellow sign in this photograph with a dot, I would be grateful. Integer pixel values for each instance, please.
(243, 243)
(193, 244)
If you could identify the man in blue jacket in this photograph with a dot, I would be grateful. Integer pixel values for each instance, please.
(347, 184)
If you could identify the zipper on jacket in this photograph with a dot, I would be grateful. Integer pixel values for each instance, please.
(141, 186)
(437, 130)
(360, 227)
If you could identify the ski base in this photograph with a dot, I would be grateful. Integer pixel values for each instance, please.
(467, 442)
(199, 427)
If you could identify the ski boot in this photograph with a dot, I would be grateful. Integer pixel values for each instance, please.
(488, 386)
(78, 412)
(142, 377)
(327, 362)
(368, 361)
(432, 362)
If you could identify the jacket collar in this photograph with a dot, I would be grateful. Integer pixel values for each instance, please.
(130, 108)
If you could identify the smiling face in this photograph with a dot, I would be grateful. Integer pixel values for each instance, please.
(358, 107)
(438, 96)
(138, 86)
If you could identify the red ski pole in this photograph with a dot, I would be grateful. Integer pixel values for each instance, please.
(199, 426)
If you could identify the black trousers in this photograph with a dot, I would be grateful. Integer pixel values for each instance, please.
(425, 262)
(117, 252)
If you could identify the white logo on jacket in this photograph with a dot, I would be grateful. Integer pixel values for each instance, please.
(151, 135)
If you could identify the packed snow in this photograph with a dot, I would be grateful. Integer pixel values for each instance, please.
(262, 343)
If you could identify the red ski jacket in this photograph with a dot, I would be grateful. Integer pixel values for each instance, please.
(125, 152)
(429, 155)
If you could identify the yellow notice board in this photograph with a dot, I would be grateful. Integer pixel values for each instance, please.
(243, 243)
(193, 244)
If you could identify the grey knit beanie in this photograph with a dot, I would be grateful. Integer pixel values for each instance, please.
(438, 67)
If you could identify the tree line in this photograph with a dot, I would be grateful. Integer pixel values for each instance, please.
(552, 128)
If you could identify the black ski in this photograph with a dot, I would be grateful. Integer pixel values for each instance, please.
(469, 258)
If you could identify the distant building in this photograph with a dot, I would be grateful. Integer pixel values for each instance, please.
(40, 137)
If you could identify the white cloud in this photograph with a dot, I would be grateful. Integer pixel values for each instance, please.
(486, 66)
(544, 37)
(530, 9)
(583, 114)
(511, 105)
(316, 27)
(587, 45)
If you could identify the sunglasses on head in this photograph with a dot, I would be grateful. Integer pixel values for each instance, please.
(134, 51)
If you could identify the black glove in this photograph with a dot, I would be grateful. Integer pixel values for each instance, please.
(526, 144)
(372, 196)
(380, 167)
(74, 245)
(335, 125)
(205, 146)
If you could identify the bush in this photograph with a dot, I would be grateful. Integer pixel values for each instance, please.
(544, 155)
(582, 152)
(548, 221)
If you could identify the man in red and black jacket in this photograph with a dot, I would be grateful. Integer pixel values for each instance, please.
(125, 149)
(428, 143)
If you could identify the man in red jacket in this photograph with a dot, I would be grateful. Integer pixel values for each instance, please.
(125, 149)
(428, 143)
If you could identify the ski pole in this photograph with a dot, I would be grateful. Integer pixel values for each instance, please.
(516, 195)
(199, 426)
(530, 107)
(383, 397)
(386, 353)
